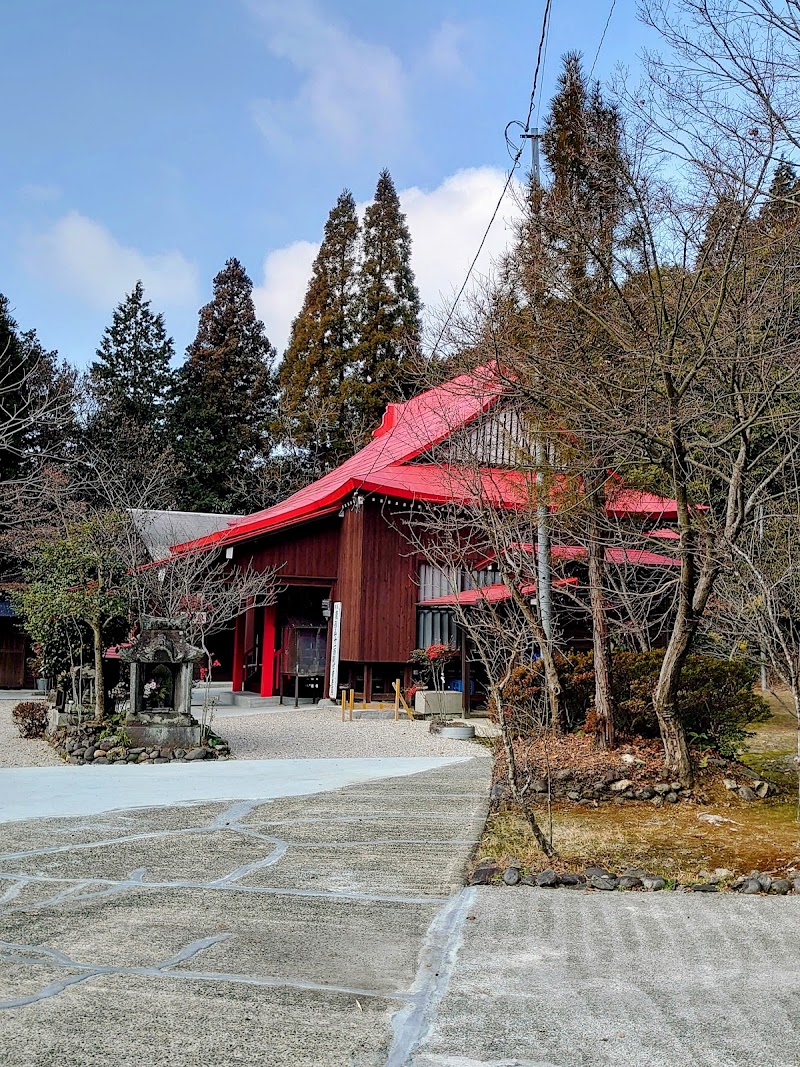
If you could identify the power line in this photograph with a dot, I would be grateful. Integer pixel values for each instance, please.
(541, 50)
(515, 163)
(603, 37)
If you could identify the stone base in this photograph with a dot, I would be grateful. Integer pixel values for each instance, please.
(68, 716)
(163, 727)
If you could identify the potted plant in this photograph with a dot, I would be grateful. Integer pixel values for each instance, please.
(437, 702)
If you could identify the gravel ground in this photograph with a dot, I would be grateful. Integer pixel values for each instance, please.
(312, 732)
(15, 751)
(291, 734)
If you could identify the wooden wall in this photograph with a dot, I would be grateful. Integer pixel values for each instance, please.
(377, 588)
(310, 550)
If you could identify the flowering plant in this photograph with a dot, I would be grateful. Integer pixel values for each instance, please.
(154, 693)
(432, 661)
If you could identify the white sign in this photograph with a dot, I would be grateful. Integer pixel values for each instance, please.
(336, 633)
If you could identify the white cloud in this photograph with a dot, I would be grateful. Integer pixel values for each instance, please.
(446, 223)
(82, 258)
(280, 295)
(352, 92)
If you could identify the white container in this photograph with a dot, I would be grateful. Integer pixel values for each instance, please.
(446, 705)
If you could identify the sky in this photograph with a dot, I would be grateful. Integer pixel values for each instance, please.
(155, 140)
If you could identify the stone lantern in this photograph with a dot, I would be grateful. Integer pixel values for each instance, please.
(162, 664)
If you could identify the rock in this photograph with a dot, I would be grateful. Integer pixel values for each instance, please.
(722, 874)
(527, 879)
(713, 819)
(750, 887)
(484, 873)
(705, 887)
(598, 872)
(598, 787)
(729, 783)
(657, 802)
(676, 786)
(765, 882)
(761, 789)
(562, 775)
(547, 879)
(627, 757)
(621, 785)
(166, 753)
(132, 759)
(746, 793)
(75, 759)
(89, 753)
(511, 876)
(570, 879)
(180, 753)
(645, 794)
(671, 798)
(539, 785)
(628, 881)
(662, 788)
(780, 886)
(98, 760)
(573, 796)
(653, 883)
(599, 882)
(160, 759)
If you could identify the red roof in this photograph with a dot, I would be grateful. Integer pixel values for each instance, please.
(491, 594)
(385, 466)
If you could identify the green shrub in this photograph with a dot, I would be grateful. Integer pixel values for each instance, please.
(31, 718)
(716, 698)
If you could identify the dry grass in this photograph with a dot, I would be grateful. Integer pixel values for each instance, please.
(671, 841)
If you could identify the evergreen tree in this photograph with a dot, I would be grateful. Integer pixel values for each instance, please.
(783, 197)
(36, 400)
(130, 381)
(316, 375)
(224, 399)
(389, 306)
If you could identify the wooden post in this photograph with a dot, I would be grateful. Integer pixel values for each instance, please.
(397, 700)
(238, 654)
(352, 699)
(344, 702)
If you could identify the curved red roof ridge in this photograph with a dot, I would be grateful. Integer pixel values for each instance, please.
(407, 430)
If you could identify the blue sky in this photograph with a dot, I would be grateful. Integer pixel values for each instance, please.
(156, 139)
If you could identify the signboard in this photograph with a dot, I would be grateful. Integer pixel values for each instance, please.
(336, 633)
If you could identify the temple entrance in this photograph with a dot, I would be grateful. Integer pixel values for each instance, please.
(282, 648)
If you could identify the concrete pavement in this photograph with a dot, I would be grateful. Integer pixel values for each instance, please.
(565, 978)
(308, 930)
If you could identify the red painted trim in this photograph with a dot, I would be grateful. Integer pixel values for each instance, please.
(268, 652)
(238, 654)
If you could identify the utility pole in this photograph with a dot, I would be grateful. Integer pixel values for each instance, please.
(544, 568)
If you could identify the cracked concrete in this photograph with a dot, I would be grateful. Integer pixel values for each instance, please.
(307, 929)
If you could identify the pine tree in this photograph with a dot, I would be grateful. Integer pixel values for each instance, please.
(783, 197)
(316, 375)
(36, 405)
(224, 399)
(130, 382)
(389, 306)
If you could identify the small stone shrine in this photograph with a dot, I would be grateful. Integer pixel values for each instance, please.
(162, 663)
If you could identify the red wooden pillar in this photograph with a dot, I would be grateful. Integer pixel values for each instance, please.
(268, 652)
(238, 654)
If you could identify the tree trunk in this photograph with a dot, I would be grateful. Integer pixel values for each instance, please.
(603, 700)
(553, 683)
(99, 681)
(796, 699)
(513, 778)
(665, 701)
